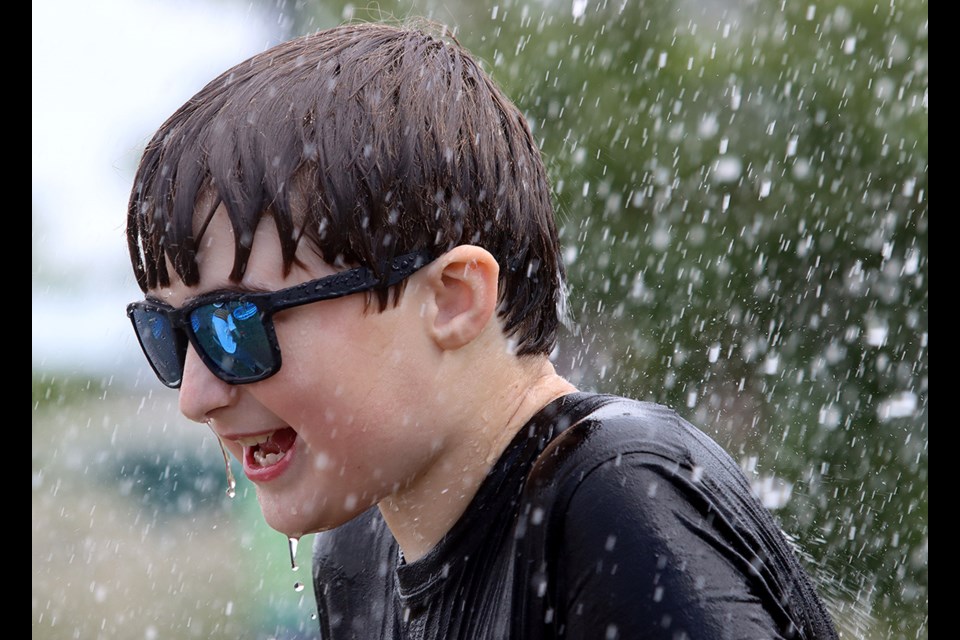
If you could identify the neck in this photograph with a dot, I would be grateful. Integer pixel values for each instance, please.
(423, 511)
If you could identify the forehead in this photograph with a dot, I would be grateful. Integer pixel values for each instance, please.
(216, 254)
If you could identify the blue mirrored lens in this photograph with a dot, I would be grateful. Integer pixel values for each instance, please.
(164, 346)
(234, 339)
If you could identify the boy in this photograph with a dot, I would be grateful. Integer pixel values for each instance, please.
(459, 486)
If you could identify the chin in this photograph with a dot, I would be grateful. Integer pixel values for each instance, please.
(297, 520)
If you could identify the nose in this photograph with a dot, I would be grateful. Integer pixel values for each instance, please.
(201, 392)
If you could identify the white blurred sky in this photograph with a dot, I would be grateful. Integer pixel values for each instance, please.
(106, 73)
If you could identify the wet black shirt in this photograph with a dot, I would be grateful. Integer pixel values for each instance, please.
(630, 524)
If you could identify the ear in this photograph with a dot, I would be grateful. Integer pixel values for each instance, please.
(463, 283)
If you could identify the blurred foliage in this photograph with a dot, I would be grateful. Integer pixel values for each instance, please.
(54, 390)
(742, 191)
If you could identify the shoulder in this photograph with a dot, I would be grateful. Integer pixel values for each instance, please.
(640, 462)
(641, 430)
(642, 516)
(616, 451)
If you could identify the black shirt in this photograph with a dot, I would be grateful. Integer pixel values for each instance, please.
(630, 524)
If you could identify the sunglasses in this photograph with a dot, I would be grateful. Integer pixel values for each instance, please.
(233, 332)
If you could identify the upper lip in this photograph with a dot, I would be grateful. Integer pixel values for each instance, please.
(249, 438)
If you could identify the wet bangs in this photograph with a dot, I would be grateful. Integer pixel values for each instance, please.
(232, 152)
(365, 142)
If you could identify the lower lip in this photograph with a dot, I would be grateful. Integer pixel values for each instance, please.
(257, 473)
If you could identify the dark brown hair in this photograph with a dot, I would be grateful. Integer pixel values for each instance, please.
(367, 141)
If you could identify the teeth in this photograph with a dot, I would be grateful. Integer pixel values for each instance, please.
(255, 440)
(267, 459)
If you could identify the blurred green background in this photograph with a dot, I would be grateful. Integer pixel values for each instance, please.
(742, 194)
(134, 535)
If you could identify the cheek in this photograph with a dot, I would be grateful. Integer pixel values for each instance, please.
(327, 400)
(344, 371)
(342, 413)
(341, 351)
(321, 327)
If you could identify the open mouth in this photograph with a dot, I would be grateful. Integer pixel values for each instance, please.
(270, 448)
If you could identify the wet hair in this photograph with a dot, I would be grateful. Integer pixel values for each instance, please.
(366, 141)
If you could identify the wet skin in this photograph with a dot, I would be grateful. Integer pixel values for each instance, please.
(345, 388)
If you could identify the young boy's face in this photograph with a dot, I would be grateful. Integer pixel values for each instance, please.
(352, 409)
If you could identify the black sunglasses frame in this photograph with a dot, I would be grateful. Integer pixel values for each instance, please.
(329, 287)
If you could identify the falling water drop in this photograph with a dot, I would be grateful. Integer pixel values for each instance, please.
(293, 542)
(231, 481)
(293, 553)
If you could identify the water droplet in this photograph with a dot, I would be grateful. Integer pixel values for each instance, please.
(579, 8)
(765, 188)
(293, 542)
(792, 146)
(231, 481)
(713, 352)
